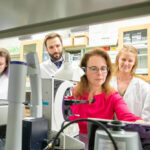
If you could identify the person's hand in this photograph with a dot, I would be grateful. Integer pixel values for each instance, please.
(141, 121)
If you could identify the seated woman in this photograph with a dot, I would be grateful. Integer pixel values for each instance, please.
(95, 84)
(4, 63)
(134, 90)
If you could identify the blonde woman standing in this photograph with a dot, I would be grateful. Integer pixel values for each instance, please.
(134, 90)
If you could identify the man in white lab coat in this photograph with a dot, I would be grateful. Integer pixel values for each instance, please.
(54, 46)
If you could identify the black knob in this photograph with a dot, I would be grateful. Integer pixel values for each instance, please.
(116, 125)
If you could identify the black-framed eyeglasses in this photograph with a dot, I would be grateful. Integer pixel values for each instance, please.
(94, 69)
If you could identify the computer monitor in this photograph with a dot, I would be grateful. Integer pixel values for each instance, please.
(142, 129)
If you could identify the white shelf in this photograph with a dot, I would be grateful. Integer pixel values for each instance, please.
(138, 45)
(139, 55)
(143, 71)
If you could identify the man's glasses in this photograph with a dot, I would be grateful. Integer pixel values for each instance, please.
(95, 69)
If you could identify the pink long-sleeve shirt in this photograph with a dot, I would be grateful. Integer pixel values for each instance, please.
(103, 108)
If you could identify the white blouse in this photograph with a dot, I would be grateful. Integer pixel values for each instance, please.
(3, 86)
(137, 97)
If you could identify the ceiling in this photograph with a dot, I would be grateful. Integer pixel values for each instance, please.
(21, 17)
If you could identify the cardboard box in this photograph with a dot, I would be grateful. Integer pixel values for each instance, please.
(67, 42)
(81, 40)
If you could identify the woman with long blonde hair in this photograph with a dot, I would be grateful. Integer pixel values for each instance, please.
(135, 91)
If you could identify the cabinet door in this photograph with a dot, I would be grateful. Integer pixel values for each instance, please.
(138, 36)
(45, 54)
(31, 46)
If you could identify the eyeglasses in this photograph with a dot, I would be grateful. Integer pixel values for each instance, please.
(95, 69)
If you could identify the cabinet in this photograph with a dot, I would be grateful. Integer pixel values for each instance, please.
(31, 46)
(139, 37)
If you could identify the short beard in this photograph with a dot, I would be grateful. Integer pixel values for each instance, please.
(56, 58)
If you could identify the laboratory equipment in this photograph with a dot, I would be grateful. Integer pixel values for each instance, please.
(16, 95)
(125, 140)
(35, 82)
(69, 70)
(35, 131)
(131, 136)
(3, 112)
(35, 128)
(53, 92)
(3, 122)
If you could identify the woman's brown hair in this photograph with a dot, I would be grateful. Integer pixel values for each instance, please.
(82, 86)
(4, 53)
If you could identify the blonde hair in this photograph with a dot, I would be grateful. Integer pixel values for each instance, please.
(83, 86)
(126, 48)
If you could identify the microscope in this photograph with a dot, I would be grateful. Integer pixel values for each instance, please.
(46, 109)
(56, 108)
(28, 133)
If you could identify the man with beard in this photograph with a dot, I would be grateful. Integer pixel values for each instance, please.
(54, 46)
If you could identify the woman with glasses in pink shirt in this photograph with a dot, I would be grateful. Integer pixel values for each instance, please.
(95, 85)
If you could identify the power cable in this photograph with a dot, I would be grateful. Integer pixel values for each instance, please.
(52, 144)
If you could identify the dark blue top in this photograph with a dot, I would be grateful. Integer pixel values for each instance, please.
(58, 64)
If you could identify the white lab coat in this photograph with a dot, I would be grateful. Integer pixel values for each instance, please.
(48, 69)
(137, 97)
(3, 86)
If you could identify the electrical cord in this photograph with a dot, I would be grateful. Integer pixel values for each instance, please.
(52, 144)
(63, 124)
